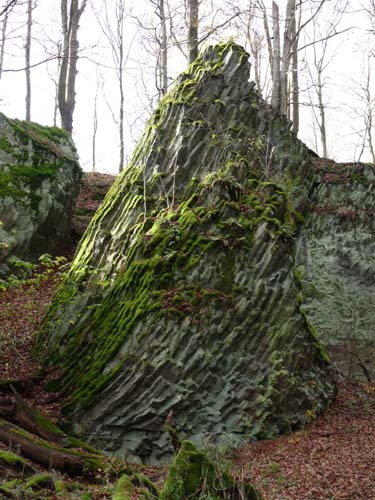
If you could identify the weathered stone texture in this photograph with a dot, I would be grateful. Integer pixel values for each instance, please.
(335, 262)
(39, 183)
(183, 300)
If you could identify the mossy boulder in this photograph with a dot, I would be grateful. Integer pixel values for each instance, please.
(124, 488)
(39, 183)
(182, 303)
(194, 475)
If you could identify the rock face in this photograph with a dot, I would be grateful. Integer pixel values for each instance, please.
(183, 301)
(39, 182)
(335, 262)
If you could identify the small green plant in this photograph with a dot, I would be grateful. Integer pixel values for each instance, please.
(23, 266)
(274, 468)
(28, 273)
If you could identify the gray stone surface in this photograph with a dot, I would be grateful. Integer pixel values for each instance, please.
(182, 302)
(39, 183)
(335, 258)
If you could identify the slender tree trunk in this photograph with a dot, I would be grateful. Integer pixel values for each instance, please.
(27, 58)
(164, 49)
(193, 24)
(255, 42)
(56, 84)
(295, 75)
(276, 59)
(64, 63)
(4, 26)
(370, 140)
(121, 60)
(321, 107)
(72, 66)
(68, 69)
(112, 25)
(121, 124)
(370, 112)
(95, 126)
(268, 35)
(287, 52)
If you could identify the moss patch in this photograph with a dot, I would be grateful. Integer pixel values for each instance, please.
(193, 475)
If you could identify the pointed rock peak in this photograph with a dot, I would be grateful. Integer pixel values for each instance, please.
(182, 306)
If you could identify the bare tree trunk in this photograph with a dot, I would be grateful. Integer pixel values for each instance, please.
(68, 70)
(295, 75)
(193, 24)
(27, 58)
(95, 125)
(121, 127)
(369, 111)
(56, 84)
(322, 124)
(164, 49)
(268, 35)
(120, 16)
(4, 25)
(287, 51)
(113, 30)
(276, 59)
(255, 42)
(62, 82)
(72, 66)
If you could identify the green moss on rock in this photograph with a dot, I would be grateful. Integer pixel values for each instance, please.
(39, 182)
(181, 298)
(193, 475)
(124, 489)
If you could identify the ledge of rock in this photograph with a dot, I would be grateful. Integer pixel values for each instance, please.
(39, 183)
(182, 307)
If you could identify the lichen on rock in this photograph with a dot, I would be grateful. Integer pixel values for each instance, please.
(39, 183)
(182, 298)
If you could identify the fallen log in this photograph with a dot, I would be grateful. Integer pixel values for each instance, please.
(43, 452)
(30, 419)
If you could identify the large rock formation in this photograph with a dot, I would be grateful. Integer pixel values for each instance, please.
(182, 306)
(39, 182)
(335, 263)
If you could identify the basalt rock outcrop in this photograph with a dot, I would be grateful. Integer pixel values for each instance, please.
(335, 264)
(39, 183)
(182, 308)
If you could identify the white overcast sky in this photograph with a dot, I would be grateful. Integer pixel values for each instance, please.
(343, 78)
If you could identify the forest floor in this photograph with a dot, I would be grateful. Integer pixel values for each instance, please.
(333, 458)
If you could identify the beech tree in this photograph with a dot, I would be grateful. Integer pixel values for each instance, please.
(71, 11)
(155, 40)
(162, 42)
(192, 29)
